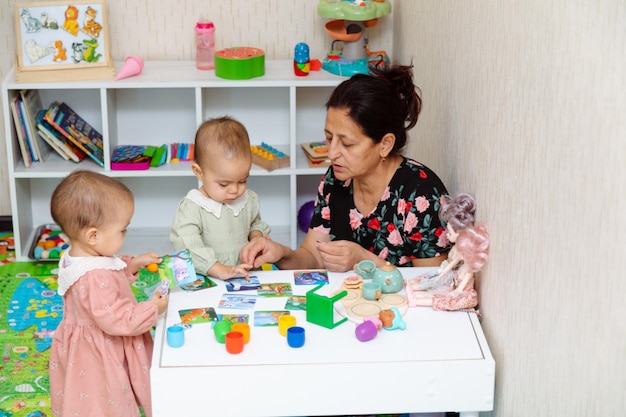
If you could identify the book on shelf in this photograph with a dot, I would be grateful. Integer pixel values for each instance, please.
(31, 100)
(57, 141)
(20, 132)
(76, 130)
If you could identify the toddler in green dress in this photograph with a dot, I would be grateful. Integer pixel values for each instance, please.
(220, 217)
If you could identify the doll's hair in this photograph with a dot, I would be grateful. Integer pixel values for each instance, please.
(381, 102)
(473, 245)
(459, 211)
(87, 199)
(221, 137)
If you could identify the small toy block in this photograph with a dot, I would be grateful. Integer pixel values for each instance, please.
(268, 157)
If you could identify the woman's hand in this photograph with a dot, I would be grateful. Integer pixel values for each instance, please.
(260, 251)
(341, 255)
(141, 261)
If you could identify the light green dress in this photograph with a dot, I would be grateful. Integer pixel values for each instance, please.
(215, 232)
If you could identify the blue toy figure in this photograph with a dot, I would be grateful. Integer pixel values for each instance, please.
(301, 59)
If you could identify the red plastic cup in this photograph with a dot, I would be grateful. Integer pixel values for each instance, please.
(234, 342)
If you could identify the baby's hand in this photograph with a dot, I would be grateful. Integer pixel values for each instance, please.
(221, 271)
(160, 301)
(143, 260)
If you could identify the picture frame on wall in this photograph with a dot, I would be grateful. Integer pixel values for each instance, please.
(62, 41)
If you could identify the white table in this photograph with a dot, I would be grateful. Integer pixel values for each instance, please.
(440, 362)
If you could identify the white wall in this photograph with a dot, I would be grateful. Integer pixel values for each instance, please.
(523, 106)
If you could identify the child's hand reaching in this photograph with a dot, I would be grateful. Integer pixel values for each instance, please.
(141, 261)
(160, 301)
(221, 271)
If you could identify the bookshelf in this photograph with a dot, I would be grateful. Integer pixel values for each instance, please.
(165, 104)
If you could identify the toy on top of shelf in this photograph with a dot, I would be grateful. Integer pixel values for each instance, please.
(351, 20)
(241, 63)
(301, 59)
(268, 157)
(133, 65)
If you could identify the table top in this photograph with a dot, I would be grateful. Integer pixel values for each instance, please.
(423, 338)
(435, 346)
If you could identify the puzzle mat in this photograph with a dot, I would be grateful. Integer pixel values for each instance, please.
(30, 311)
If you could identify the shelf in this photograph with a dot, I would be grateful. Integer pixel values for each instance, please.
(165, 104)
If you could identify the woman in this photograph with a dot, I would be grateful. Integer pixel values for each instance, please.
(373, 203)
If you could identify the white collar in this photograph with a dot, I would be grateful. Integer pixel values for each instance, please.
(71, 268)
(215, 207)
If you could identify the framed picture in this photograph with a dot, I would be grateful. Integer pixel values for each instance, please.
(61, 40)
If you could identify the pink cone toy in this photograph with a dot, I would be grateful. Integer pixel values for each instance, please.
(132, 66)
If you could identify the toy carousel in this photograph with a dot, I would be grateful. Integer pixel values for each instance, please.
(350, 53)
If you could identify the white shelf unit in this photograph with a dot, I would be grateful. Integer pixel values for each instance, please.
(165, 104)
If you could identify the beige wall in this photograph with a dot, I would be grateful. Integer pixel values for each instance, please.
(524, 107)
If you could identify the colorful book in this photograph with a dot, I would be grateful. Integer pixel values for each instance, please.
(32, 106)
(20, 132)
(57, 141)
(76, 130)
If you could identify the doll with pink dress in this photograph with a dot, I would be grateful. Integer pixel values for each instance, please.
(452, 288)
(102, 349)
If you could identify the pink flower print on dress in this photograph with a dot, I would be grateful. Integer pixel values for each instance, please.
(326, 213)
(395, 238)
(386, 195)
(355, 219)
(410, 222)
(421, 204)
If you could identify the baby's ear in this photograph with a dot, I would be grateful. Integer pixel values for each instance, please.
(195, 168)
(90, 235)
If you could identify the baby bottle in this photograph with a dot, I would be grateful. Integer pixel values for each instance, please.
(205, 45)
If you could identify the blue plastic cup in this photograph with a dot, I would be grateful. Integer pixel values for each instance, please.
(295, 336)
(175, 336)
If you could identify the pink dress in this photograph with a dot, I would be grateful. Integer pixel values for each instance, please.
(465, 300)
(102, 349)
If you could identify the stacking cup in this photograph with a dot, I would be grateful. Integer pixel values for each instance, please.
(285, 322)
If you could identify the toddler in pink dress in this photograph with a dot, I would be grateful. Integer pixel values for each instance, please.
(101, 351)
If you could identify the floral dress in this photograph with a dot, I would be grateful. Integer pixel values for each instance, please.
(405, 225)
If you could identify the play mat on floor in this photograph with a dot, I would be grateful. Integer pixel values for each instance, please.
(30, 311)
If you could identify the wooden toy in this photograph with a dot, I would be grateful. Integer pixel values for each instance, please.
(268, 157)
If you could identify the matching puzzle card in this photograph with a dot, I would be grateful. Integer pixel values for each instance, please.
(240, 284)
(296, 302)
(197, 315)
(267, 318)
(201, 282)
(233, 318)
(275, 289)
(310, 277)
(238, 301)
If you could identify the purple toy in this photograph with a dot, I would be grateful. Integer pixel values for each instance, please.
(366, 331)
(305, 214)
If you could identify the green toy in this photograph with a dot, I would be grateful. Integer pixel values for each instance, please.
(319, 308)
(240, 63)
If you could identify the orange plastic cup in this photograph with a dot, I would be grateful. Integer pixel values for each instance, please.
(234, 342)
(244, 329)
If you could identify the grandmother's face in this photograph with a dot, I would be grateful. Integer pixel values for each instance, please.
(352, 153)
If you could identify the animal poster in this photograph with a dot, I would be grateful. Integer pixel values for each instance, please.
(62, 35)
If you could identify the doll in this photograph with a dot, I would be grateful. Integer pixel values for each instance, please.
(452, 288)
(458, 212)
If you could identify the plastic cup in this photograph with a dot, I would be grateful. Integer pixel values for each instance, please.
(244, 329)
(234, 342)
(175, 336)
(220, 329)
(285, 322)
(371, 290)
(295, 336)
